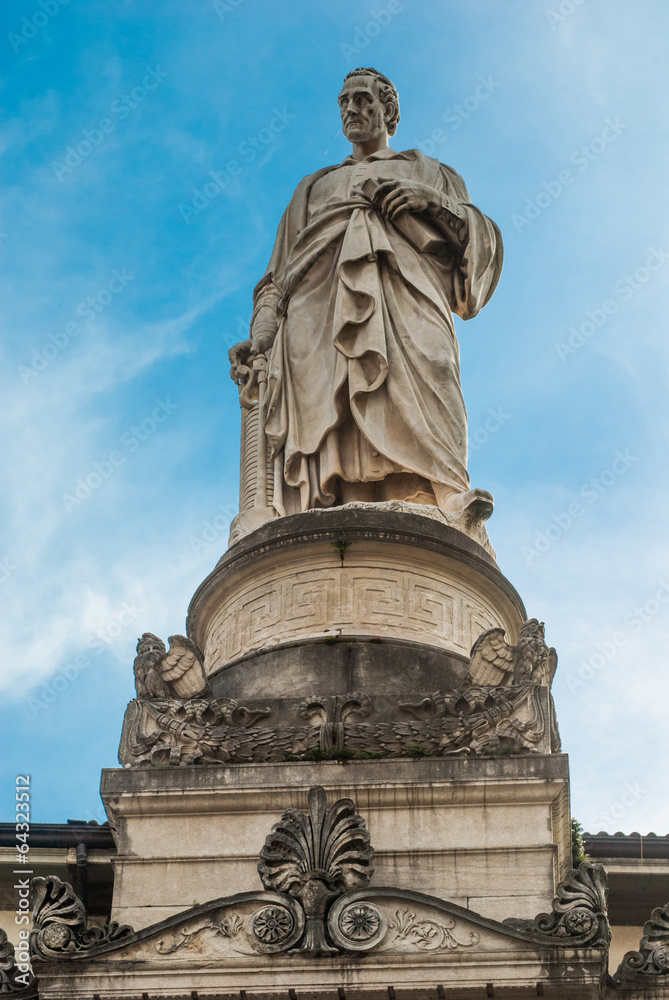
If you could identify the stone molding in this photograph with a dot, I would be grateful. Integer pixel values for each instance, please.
(428, 781)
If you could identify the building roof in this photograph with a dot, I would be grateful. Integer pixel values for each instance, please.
(94, 835)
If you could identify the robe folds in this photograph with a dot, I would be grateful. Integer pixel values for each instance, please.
(364, 375)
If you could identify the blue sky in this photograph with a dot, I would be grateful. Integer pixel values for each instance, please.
(124, 284)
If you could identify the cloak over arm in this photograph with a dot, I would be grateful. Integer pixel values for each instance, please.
(477, 271)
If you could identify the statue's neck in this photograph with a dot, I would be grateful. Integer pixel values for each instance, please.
(364, 149)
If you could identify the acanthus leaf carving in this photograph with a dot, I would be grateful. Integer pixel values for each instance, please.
(652, 958)
(316, 857)
(578, 914)
(14, 981)
(60, 928)
(227, 927)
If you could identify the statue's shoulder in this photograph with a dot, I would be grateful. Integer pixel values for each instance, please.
(304, 187)
(430, 161)
(432, 168)
(310, 179)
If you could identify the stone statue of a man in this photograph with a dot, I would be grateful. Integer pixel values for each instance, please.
(354, 313)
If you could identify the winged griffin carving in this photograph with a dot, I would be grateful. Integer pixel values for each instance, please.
(495, 662)
(174, 673)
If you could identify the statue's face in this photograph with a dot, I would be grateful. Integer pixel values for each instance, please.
(363, 116)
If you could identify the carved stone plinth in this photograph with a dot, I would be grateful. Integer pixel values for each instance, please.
(488, 833)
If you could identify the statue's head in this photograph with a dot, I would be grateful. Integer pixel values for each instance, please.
(369, 105)
(150, 643)
(532, 627)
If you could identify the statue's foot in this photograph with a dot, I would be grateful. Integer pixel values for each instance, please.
(478, 503)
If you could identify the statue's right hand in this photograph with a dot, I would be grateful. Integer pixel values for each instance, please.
(239, 356)
(261, 343)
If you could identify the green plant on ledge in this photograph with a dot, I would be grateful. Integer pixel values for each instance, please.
(343, 755)
(417, 750)
(503, 750)
(341, 544)
(578, 855)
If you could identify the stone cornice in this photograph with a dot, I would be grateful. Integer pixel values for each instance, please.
(402, 784)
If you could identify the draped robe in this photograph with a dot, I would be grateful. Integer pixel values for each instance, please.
(364, 376)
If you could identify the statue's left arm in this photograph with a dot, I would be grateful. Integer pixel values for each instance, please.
(474, 241)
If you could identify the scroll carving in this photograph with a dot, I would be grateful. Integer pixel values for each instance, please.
(227, 927)
(60, 928)
(14, 981)
(652, 958)
(431, 935)
(332, 713)
(578, 915)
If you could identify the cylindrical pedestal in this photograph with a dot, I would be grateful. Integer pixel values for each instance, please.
(348, 599)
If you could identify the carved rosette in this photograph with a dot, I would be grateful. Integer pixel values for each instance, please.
(357, 926)
(273, 925)
(316, 858)
(578, 914)
(60, 927)
(652, 958)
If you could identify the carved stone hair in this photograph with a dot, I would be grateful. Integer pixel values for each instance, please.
(387, 93)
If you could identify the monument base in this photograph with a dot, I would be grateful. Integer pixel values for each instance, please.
(490, 834)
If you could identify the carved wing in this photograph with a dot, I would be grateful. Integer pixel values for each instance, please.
(551, 665)
(491, 658)
(181, 667)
